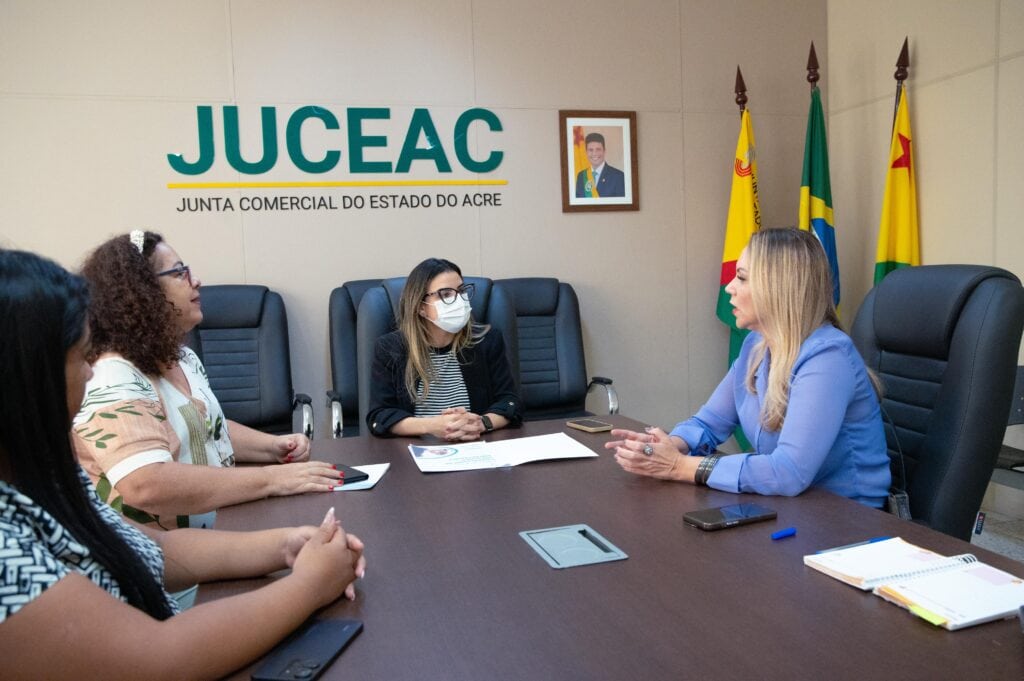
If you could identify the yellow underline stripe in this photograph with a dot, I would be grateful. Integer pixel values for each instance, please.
(379, 183)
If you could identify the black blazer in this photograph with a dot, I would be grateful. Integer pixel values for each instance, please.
(485, 370)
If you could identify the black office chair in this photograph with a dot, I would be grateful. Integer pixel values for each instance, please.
(343, 398)
(378, 312)
(944, 340)
(552, 371)
(243, 343)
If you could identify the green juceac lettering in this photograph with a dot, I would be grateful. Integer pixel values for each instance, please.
(357, 141)
(422, 123)
(232, 146)
(493, 160)
(204, 116)
(293, 139)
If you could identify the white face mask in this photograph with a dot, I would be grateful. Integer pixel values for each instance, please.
(452, 318)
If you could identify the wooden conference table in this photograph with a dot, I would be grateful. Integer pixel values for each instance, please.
(453, 592)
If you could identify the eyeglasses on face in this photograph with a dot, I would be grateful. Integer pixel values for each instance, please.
(447, 295)
(181, 272)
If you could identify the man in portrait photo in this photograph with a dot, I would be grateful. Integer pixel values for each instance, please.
(608, 181)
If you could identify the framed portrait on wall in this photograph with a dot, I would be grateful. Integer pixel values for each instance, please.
(599, 160)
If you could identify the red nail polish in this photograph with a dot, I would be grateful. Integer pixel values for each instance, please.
(330, 487)
(334, 466)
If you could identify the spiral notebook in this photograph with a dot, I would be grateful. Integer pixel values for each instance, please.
(951, 592)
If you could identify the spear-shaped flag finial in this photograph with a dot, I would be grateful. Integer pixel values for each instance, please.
(812, 67)
(902, 63)
(741, 90)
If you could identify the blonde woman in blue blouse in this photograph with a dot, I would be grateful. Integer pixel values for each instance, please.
(799, 389)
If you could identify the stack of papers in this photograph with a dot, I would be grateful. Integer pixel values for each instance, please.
(951, 592)
(480, 455)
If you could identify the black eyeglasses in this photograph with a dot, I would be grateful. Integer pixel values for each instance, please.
(181, 272)
(447, 295)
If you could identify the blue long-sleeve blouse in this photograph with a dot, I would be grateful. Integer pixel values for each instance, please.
(832, 436)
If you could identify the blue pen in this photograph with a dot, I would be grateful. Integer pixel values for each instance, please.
(782, 534)
(850, 546)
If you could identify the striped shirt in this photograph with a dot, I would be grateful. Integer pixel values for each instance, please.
(447, 389)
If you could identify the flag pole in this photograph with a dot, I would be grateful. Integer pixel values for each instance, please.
(741, 91)
(901, 75)
(812, 68)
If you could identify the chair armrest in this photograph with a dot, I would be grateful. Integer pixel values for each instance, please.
(307, 412)
(613, 397)
(337, 419)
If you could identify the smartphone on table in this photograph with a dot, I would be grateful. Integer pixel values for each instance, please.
(589, 425)
(728, 516)
(351, 474)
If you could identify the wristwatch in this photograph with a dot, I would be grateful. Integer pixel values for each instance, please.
(488, 426)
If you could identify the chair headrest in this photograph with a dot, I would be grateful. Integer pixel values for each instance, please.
(394, 287)
(534, 296)
(917, 308)
(232, 306)
(355, 289)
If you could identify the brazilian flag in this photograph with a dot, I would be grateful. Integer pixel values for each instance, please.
(816, 189)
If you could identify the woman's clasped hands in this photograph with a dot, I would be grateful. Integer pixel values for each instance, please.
(329, 557)
(652, 453)
(457, 424)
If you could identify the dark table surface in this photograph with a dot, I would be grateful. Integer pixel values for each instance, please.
(453, 592)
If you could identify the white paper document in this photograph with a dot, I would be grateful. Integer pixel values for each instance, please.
(479, 455)
(376, 471)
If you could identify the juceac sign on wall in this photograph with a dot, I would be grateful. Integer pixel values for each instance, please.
(360, 149)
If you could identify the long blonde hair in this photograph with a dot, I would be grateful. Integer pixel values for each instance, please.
(791, 291)
(413, 325)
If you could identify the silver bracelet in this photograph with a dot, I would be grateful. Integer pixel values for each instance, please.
(704, 469)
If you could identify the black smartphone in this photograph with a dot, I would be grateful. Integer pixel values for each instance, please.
(309, 651)
(589, 425)
(728, 516)
(351, 474)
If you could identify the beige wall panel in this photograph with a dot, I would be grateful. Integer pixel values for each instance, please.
(947, 37)
(305, 256)
(1011, 27)
(709, 141)
(605, 54)
(130, 48)
(1009, 224)
(82, 170)
(954, 154)
(858, 154)
(780, 165)
(317, 51)
(768, 40)
(627, 268)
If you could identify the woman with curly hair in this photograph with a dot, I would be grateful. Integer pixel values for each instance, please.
(150, 431)
(83, 591)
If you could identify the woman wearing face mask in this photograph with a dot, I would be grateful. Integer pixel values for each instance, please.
(440, 373)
